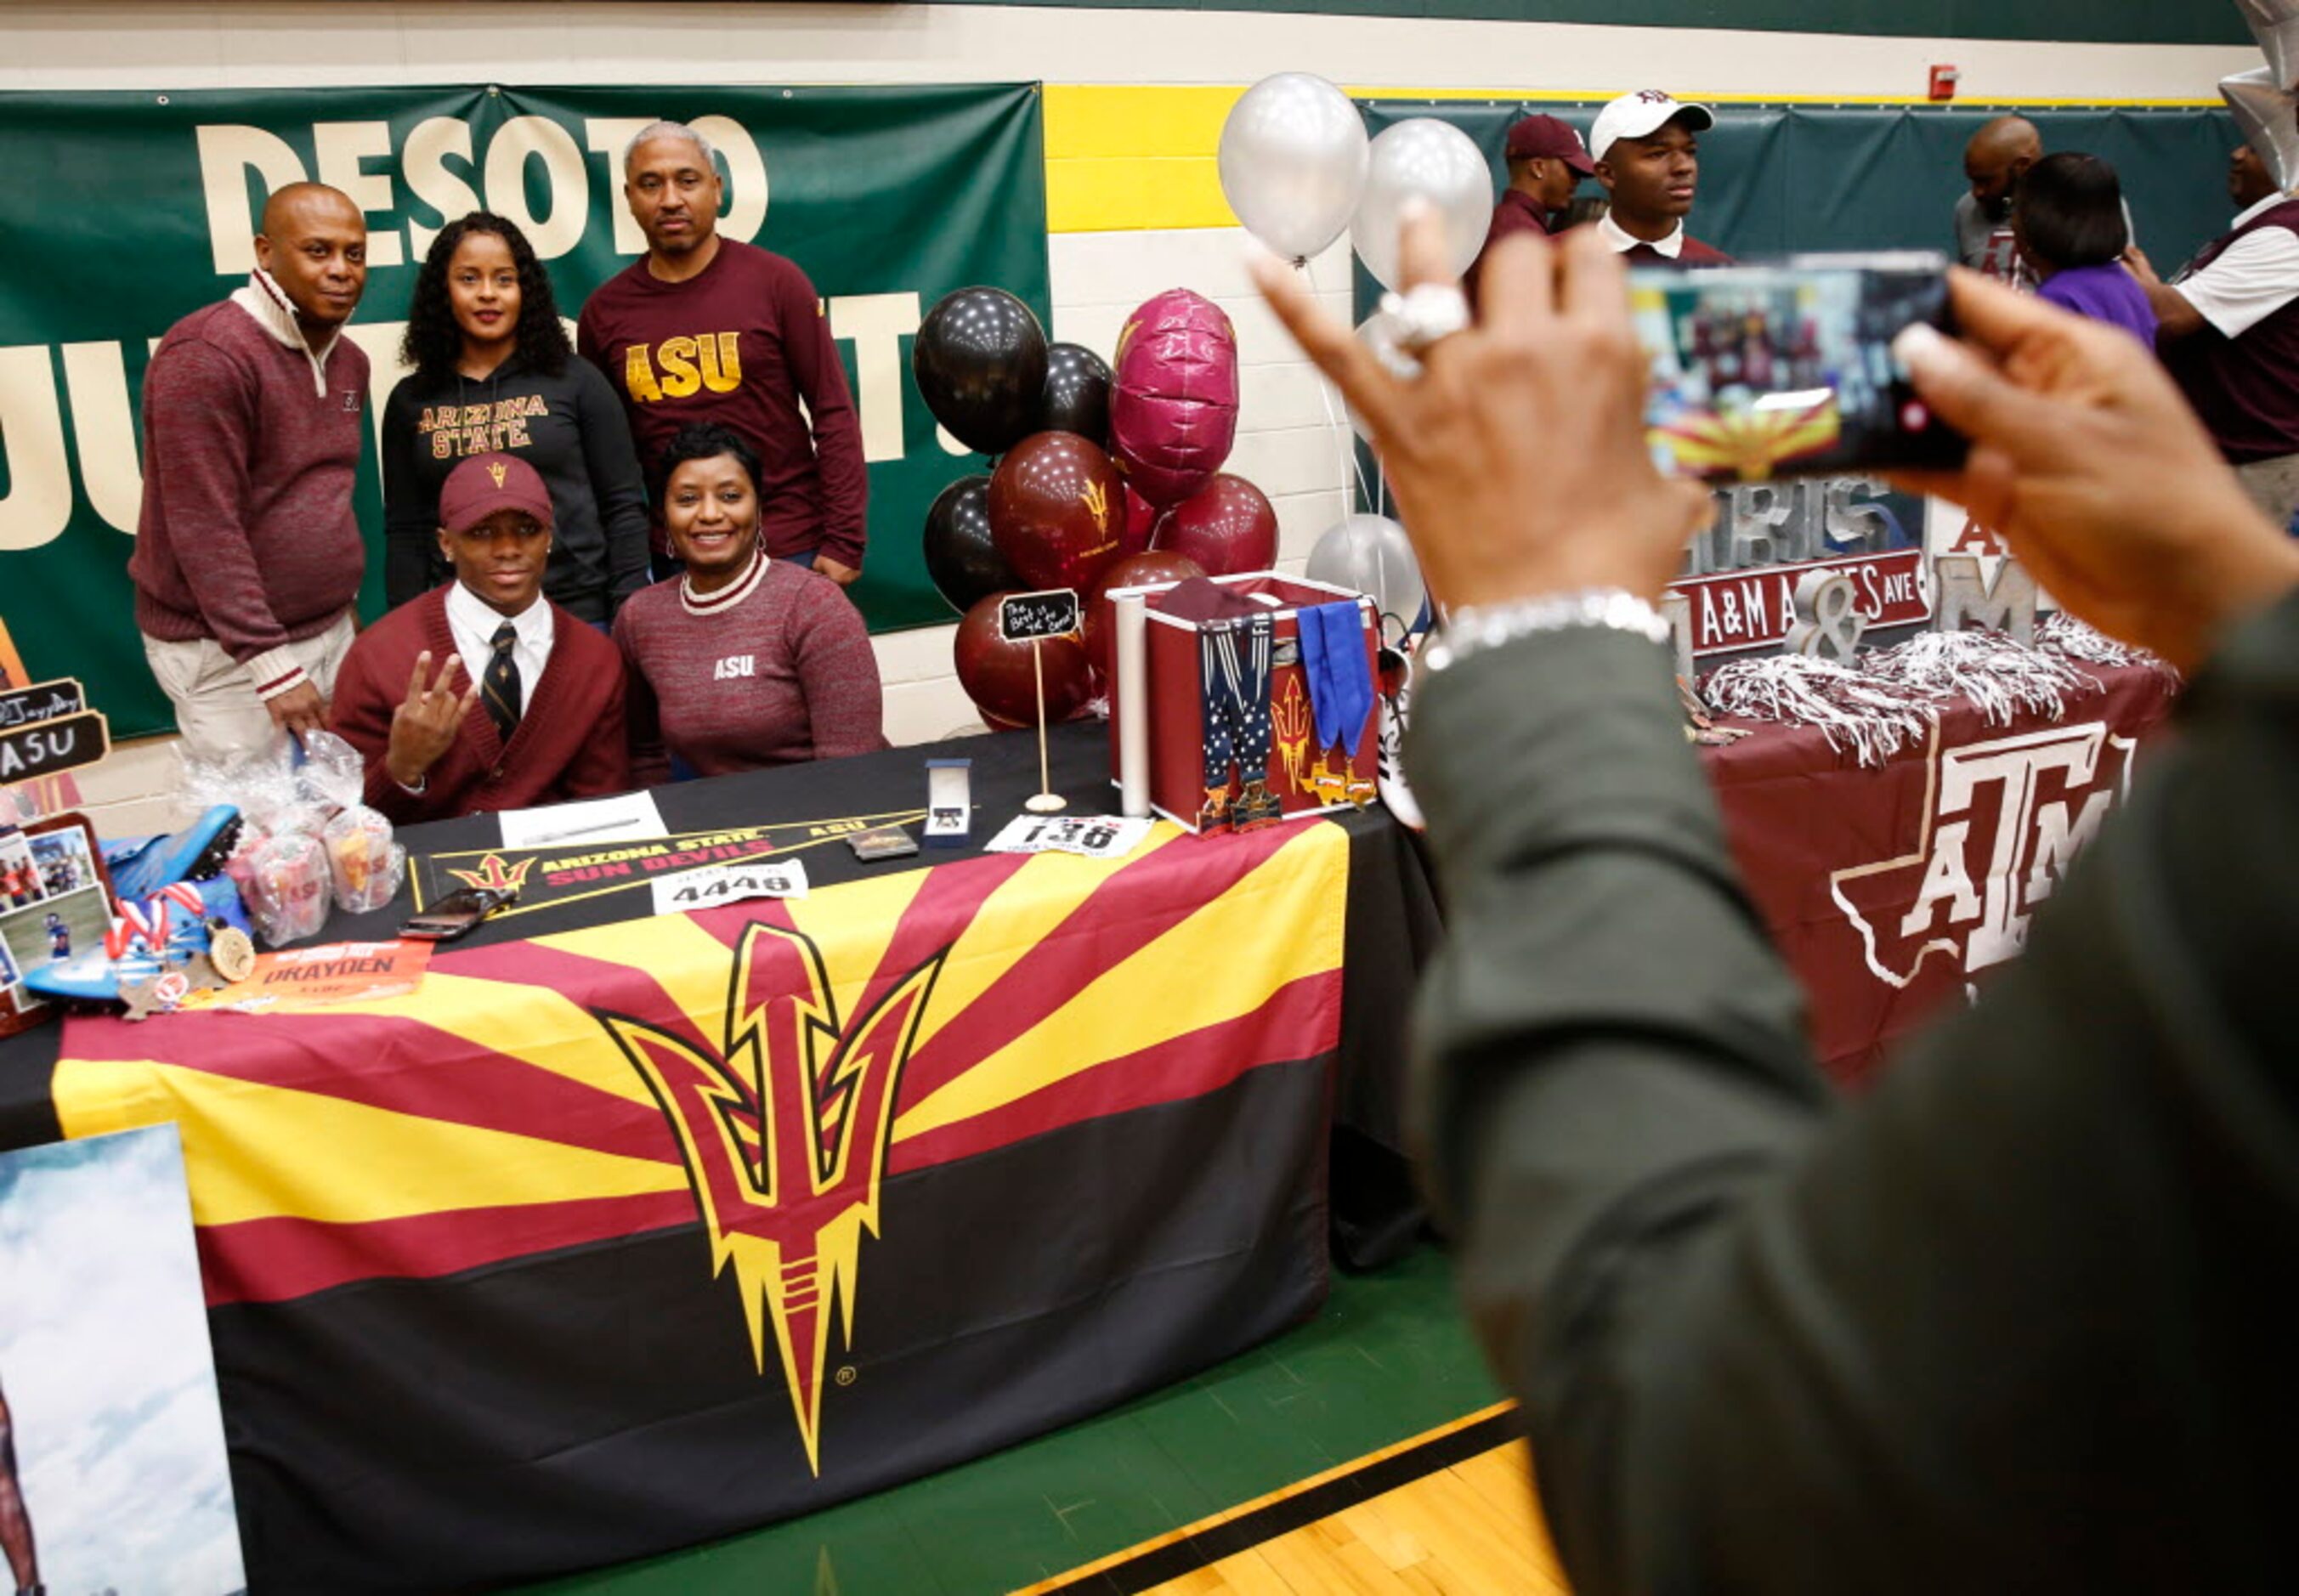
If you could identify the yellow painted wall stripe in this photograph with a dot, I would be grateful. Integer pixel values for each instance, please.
(1125, 157)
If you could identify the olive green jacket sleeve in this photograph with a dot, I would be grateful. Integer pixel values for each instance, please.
(2002, 1325)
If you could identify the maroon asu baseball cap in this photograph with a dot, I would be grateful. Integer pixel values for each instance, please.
(1539, 135)
(486, 483)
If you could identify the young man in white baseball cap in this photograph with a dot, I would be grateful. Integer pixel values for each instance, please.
(1647, 152)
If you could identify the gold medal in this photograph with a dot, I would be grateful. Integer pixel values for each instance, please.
(232, 953)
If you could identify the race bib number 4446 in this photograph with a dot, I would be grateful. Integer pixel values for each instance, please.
(729, 883)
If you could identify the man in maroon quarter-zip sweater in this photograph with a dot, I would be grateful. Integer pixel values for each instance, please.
(247, 552)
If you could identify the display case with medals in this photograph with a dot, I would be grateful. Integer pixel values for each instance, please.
(1260, 699)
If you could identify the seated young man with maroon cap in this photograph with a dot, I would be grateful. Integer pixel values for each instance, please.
(1647, 150)
(525, 702)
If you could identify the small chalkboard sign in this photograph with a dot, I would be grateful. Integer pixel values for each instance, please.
(42, 701)
(40, 748)
(1024, 617)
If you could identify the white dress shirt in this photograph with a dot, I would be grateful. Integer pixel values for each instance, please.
(1623, 241)
(473, 623)
(2257, 277)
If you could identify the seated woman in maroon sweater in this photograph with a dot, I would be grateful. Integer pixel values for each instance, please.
(525, 702)
(742, 661)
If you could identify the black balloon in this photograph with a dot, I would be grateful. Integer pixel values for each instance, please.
(1077, 394)
(980, 362)
(965, 565)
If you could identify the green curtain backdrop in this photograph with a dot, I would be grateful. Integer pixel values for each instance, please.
(1775, 179)
(119, 213)
(2100, 22)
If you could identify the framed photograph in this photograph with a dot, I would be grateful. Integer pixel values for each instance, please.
(64, 911)
(19, 877)
(116, 1477)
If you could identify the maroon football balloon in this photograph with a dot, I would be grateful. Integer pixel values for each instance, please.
(1227, 526)
(1173, 401)
(997, 675)
(1134, 571)
(1057, 508)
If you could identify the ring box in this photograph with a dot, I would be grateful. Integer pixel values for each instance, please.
(950, 802)
(1305, 780)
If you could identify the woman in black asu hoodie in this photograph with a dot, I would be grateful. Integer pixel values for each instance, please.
(494, 373)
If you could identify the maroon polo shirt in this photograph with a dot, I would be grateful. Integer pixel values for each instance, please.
(1694, 253)
(1517, 213)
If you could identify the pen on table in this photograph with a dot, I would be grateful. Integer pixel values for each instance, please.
(560, 837)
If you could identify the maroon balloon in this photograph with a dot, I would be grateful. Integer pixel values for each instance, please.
(1173, 401)
(1227, 526)
(1140, 520)
(1057, 506)
(999, 677)
(1134, 571)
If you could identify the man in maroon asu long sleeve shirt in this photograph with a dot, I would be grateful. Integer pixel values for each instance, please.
(247, 552)
(705, 329)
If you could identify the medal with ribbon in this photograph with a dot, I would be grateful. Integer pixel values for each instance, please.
(1234, 663)
(1214, 698)
(1340, 696)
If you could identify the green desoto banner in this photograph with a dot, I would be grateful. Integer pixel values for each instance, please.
(120, 212)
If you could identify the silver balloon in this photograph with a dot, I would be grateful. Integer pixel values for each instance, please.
(2264, 113)
(1371, 554)
(1437, 163)
(2275, 24)
(1292, 163)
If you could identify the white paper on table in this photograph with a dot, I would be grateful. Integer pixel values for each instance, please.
(631, 817)
(713, 884)
(1088, 837)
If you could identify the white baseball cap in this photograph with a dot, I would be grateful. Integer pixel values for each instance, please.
(1642, 114)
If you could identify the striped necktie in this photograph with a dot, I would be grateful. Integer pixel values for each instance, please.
(500, 686)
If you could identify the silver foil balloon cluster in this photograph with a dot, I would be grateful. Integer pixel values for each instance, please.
(2263, 100)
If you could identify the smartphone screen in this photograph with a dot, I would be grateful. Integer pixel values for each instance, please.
(1787, 371)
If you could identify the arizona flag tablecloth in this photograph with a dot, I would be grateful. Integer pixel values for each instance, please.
(618, 1239)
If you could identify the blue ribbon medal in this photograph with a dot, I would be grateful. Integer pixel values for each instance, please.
(1340, 696)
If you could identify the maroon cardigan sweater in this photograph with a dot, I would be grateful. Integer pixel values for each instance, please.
(247, 534)
(569, 742)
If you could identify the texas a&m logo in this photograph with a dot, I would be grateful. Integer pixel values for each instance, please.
(784, 1129)
(2002, 821)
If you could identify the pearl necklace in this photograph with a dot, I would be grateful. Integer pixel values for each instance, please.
(725, 598)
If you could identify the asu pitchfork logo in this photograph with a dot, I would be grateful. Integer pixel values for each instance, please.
(495, 876)
(784, 1133)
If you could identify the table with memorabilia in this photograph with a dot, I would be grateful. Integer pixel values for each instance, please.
(751, 1157)
(605, 1230)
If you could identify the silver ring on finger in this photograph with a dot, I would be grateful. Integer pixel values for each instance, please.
(1426, 315)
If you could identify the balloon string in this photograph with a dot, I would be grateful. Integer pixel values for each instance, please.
(1344, 436)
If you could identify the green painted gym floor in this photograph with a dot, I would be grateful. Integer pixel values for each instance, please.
(1387, 1357)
